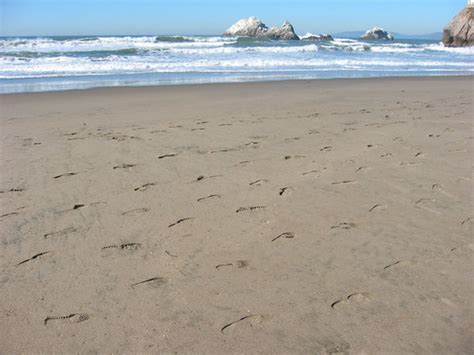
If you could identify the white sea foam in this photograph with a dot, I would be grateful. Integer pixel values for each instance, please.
(22, 58)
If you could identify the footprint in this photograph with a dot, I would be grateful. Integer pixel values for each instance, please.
(239, 264)
(124, 166)
(375, 207)
(258, 182)
(125, 246)
(33, 257)
(467, 221)
(335, 347)
(361, 168)
(423, 202)
(344, 225)
(60, 233)
(71, 318)
(144, 187)
(154, 282)
(386, 155)
(288, 157)
(180, 221)
(254, 318)
(64, 175)
(202, 177)
(9, 214)
(245, 162)
(287, 235)
(438, 187)
(253, 143)
(311, 172)
(409, 163)
(208, 197)
(467, 247)
(251, 208)
(135, 212)
(13, 189)
(223, 150)
(355, 298)
(344, 182)
(169, 254)
(398, 263)
(167, 155)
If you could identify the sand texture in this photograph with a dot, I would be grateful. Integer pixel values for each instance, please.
(290, 217)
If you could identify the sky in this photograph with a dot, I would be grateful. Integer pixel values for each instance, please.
(109, 17)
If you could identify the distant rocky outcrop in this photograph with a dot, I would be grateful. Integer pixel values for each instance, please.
(253, 27)
(377, 33)
(320, 37)
(460, 31)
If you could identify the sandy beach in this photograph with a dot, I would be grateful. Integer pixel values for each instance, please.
(330, 216)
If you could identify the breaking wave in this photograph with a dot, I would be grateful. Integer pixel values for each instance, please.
(71, 57)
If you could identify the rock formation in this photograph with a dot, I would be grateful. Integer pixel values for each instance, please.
(460, 31)
(253, 27)
(248, 27)
(320, 37)
(377, 33)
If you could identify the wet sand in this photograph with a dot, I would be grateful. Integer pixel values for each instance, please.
(330, 216)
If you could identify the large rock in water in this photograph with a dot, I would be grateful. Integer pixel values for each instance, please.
(377, 33)
(253, 27)
(460, 31)
(247, 27)
(320, 37)
(285, 32)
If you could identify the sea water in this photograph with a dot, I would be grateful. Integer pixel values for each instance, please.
(31, 64)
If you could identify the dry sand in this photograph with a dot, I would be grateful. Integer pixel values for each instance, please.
(325, 216)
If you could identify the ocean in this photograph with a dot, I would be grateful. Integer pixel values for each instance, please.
(32, 64)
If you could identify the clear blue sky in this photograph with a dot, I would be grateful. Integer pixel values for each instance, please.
(84, 17)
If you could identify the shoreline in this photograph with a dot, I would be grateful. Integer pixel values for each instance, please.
(294, 217)
(257, 82)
